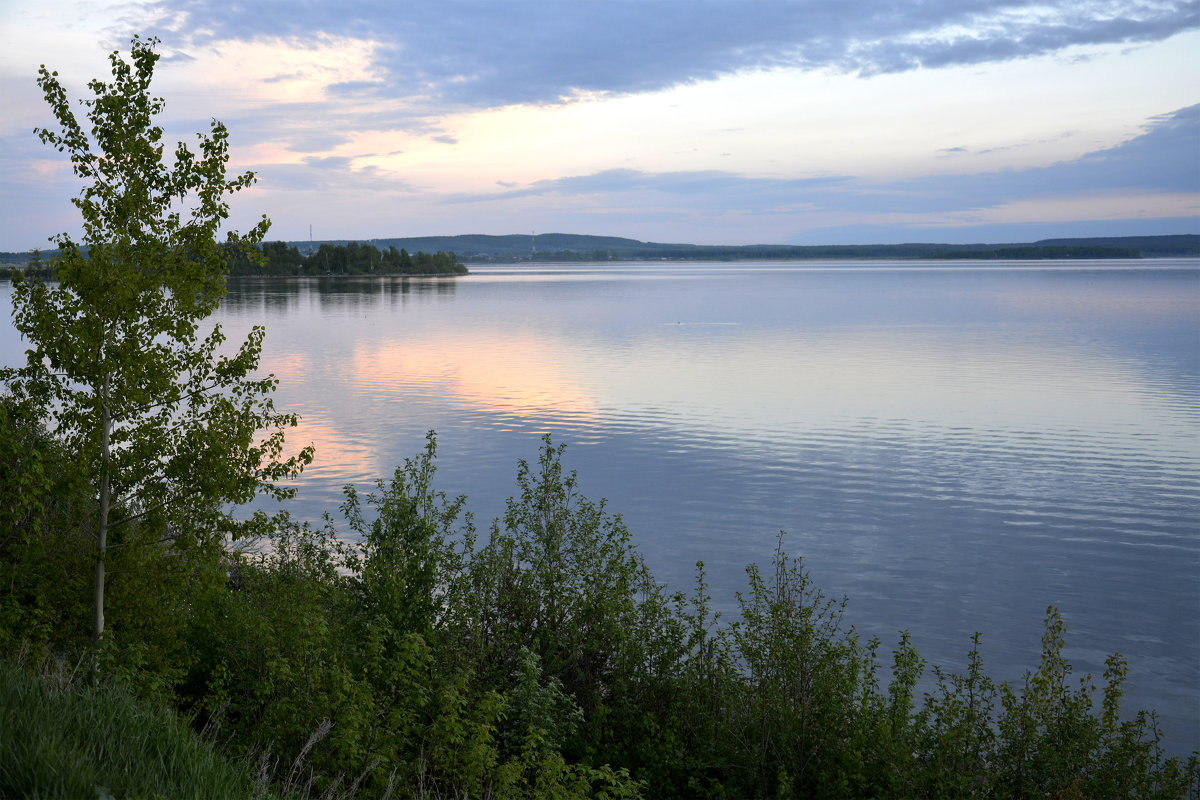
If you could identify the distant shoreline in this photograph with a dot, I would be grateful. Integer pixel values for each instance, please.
(565, 248)
(7, 270)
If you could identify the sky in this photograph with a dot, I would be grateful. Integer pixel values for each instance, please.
(698, 121)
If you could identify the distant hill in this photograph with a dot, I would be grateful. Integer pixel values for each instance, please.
(480, 248)
(1187, 244)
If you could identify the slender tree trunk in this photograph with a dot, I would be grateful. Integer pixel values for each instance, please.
(102, 523)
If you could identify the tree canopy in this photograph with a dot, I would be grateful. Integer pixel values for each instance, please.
(167, 425)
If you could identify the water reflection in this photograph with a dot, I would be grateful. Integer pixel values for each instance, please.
(500, 372)
(275, 295)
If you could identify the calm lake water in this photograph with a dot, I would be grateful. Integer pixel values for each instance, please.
(954, 446)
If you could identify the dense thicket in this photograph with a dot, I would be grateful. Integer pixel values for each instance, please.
(399, 648)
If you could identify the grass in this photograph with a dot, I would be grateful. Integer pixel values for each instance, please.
(62, 739)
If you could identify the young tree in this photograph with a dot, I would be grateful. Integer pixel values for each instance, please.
(167, 427)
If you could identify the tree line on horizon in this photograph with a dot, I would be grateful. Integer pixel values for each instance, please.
(555, 247)
(278, 259)
(576, 247)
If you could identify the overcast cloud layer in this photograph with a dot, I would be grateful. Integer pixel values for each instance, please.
(487, 53)
(734, 122)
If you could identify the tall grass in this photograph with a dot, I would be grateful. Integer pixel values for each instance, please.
(62, 739)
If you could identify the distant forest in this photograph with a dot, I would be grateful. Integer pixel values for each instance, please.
(411, 256)
(280, 258)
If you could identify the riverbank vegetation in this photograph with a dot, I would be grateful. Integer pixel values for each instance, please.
(157, 638)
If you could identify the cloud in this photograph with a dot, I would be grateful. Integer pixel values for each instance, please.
(682, 187)
(481, 53)
(1153, 176)
(310, 126)
(1163, 159)
(997, 32)
(331, 162)
(1166, 156)
(344, 108)
(317, 177)
(176, 57)
(354, 88)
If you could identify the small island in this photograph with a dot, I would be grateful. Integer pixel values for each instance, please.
(350, 258)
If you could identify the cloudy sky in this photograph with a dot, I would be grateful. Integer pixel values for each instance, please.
(706, 121)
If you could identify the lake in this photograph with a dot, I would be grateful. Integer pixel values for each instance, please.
(955, 446)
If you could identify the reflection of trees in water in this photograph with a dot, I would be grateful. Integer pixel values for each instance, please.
(278, 296)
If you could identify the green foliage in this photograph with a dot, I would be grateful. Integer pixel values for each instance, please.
(163, 426)
(959, 735)
(801, 676)
(495, 719)
(558, 578)
(405, 555)
(36, 568)
(1051, 744)
(372, 640)
(270, 664)
(60, 740)
(47, 561)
